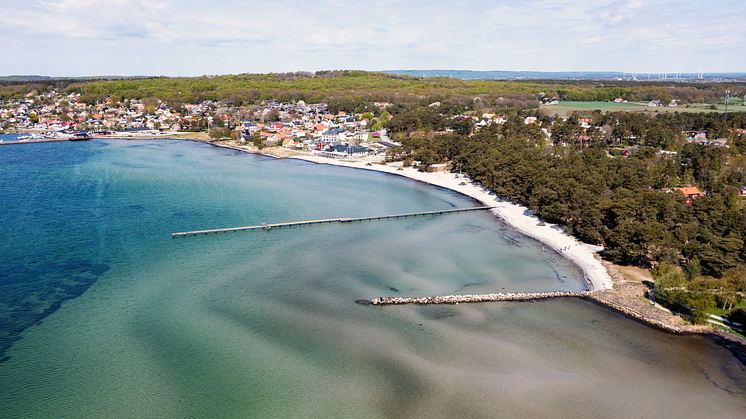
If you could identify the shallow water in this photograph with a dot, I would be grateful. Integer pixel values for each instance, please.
(105, 315)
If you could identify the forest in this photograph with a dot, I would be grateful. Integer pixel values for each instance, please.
(579, 179)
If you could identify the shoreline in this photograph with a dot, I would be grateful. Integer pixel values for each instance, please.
(515, 216)
(596, 274)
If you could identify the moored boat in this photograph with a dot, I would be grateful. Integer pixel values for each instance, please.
(72, 135)
(80, 136)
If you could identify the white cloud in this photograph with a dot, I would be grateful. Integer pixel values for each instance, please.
(193, 38)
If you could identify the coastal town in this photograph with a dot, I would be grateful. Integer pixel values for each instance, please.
(294, 126)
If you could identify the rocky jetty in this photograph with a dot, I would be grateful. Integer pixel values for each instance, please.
(636, 314)
(520, 296)
(477, 298)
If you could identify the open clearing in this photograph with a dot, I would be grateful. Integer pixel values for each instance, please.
(565, 109)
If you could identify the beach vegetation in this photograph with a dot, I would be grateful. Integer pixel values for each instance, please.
(258, 142)
(737, 315)
(218, 133)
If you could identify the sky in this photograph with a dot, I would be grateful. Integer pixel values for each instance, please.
(193, 38)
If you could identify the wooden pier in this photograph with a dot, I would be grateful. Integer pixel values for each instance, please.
(265, 226)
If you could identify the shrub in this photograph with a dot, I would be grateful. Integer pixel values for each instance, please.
(737, 315)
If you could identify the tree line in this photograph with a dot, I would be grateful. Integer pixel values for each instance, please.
(621, 203)
(350, 88)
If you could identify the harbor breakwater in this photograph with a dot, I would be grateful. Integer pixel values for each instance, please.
(519, 296)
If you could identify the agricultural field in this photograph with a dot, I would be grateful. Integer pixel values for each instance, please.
(564, 109)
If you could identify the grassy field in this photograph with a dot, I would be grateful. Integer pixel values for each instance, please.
(564, 109)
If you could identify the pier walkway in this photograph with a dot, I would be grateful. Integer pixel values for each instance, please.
(328, 221)
(45, 140)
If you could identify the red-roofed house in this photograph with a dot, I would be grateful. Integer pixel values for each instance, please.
(690, 193)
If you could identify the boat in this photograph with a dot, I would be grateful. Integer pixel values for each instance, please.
(73, 135)
(80, 136)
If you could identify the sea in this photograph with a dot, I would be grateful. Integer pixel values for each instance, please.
(104, 314)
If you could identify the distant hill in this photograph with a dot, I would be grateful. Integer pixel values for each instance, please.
(460, 74)
(42, 78)
(554, 75)
(24, 78)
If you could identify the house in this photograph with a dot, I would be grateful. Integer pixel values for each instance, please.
(690, 193)
(290, 143)
(269, 137)
(655, 103)
(361, 136)
(332, 154)
(664, 154)
(332, 135)
(696, 135)
(348, 151)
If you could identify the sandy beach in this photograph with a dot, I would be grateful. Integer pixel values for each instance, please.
(516, 216)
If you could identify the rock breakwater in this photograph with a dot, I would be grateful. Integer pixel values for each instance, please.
(636, 314)
(520, 296)
(477, 298)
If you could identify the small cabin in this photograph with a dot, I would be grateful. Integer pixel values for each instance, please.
(691, 193)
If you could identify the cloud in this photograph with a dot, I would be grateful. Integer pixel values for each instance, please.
(193, 38)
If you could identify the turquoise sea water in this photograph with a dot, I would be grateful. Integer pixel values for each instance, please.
(103, 314)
